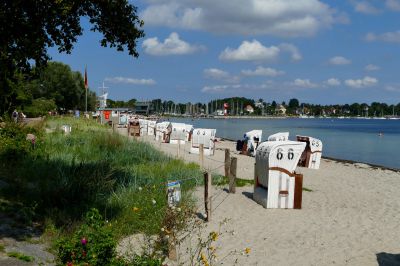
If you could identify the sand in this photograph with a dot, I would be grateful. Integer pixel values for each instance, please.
(351, 216)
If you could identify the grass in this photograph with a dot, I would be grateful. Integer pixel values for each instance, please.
(220, 180)
(66, 175)
(307, 189)
(2, 248)
(20, 256)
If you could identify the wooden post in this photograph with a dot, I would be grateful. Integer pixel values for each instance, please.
(227, 162)
(232, 175)
(207, 198)
(179, 147)
(201, 155)
(128, 130)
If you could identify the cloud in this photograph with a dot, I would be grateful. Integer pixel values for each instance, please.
(339, 60)
(262, 71)
(393, 5)
(172, 45)
(333, 82)
(255, 51)
(215, 89)
(215, 73)
(285, 18)
(371, 67)
(361, 83)
(250, 51)
(304, 83)
(366, 8)
(132, 81)
(287, 47)
(384, 37)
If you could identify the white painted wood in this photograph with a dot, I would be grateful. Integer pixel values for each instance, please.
(162, 129)
(251, 137)
(151, 127)
(280, 136)
(313, 150)
(203, 136)
(282, 154)
(178, 133)
(143, 127)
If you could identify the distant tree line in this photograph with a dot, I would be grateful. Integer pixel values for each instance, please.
(237, 106)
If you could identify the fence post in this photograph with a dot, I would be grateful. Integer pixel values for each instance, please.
(232, 175)
(207, 198)
(201, 155)
(227, 162)
(179, 147)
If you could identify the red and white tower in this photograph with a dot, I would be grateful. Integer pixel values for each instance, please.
(226, 106)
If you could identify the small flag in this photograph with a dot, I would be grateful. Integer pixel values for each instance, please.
(86, 80)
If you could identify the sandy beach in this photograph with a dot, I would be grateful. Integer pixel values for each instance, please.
(351, 216)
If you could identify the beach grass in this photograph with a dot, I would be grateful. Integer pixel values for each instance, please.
(20, 256)
(63, 175)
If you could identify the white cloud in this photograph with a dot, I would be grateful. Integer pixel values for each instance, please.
(215, 73)
(256, 51)
(132, 81)
(366, 8)
(361, 83)
(172, 45)
(286, 18)
(295, 54)
(304, 83)
(333, 82)
(371, 67)
(339, 60)
(215, 89)
(262, 71)
(393, 5)
(250, 51)
(385, 37)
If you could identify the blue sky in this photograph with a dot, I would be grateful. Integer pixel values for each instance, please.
(324, 52)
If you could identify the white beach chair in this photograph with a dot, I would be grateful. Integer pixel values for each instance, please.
(189, 132)
(143, 127)
(276, 185)
(253, 139)
(203, 136)
(311, 156)
(280, 136)
(162, 131)
(151, 127)
(178, 133)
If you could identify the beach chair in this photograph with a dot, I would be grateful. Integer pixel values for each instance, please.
(311, 156)
(276, 185)
(253, 138)
(151, 127)
(203, 136)
(189, 132)
(143, 127)
(162, 131)
(280, 136)
(178, 133)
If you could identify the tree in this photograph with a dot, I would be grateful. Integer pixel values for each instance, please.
(29, 28)
(293, 103)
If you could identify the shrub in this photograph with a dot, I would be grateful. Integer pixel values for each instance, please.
(93, 243)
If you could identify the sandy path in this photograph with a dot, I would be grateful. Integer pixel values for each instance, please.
(352, 216)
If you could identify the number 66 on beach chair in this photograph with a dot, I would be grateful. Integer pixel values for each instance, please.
(276, 185)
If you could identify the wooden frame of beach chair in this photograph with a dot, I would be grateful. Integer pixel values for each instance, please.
(276, 185)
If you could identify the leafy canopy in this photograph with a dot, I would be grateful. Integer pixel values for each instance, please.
(29, 28)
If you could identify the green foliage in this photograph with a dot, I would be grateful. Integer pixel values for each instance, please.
(92, 243)
(13, 143)
(20, 256)
(40, 107)
(34, 26)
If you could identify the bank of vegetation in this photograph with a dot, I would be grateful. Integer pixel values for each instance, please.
(89, 188)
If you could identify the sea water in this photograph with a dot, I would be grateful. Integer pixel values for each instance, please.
(371, 141)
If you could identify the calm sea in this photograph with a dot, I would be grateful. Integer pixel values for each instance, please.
(349, 139)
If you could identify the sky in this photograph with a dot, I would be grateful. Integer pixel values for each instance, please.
(321, 52)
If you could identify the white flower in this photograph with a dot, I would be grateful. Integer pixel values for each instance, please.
(140, 188)
(162, 229)
(154, 201)
(178, 209)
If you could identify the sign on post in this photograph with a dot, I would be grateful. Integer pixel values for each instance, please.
(173, 193)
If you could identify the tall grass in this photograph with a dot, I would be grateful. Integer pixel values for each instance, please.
(65, 175)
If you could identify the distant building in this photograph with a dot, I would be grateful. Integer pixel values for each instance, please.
(280, 110)
(259, 104)
(144, 108)
(249, 109)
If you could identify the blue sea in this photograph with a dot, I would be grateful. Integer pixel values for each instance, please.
(349, 139)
